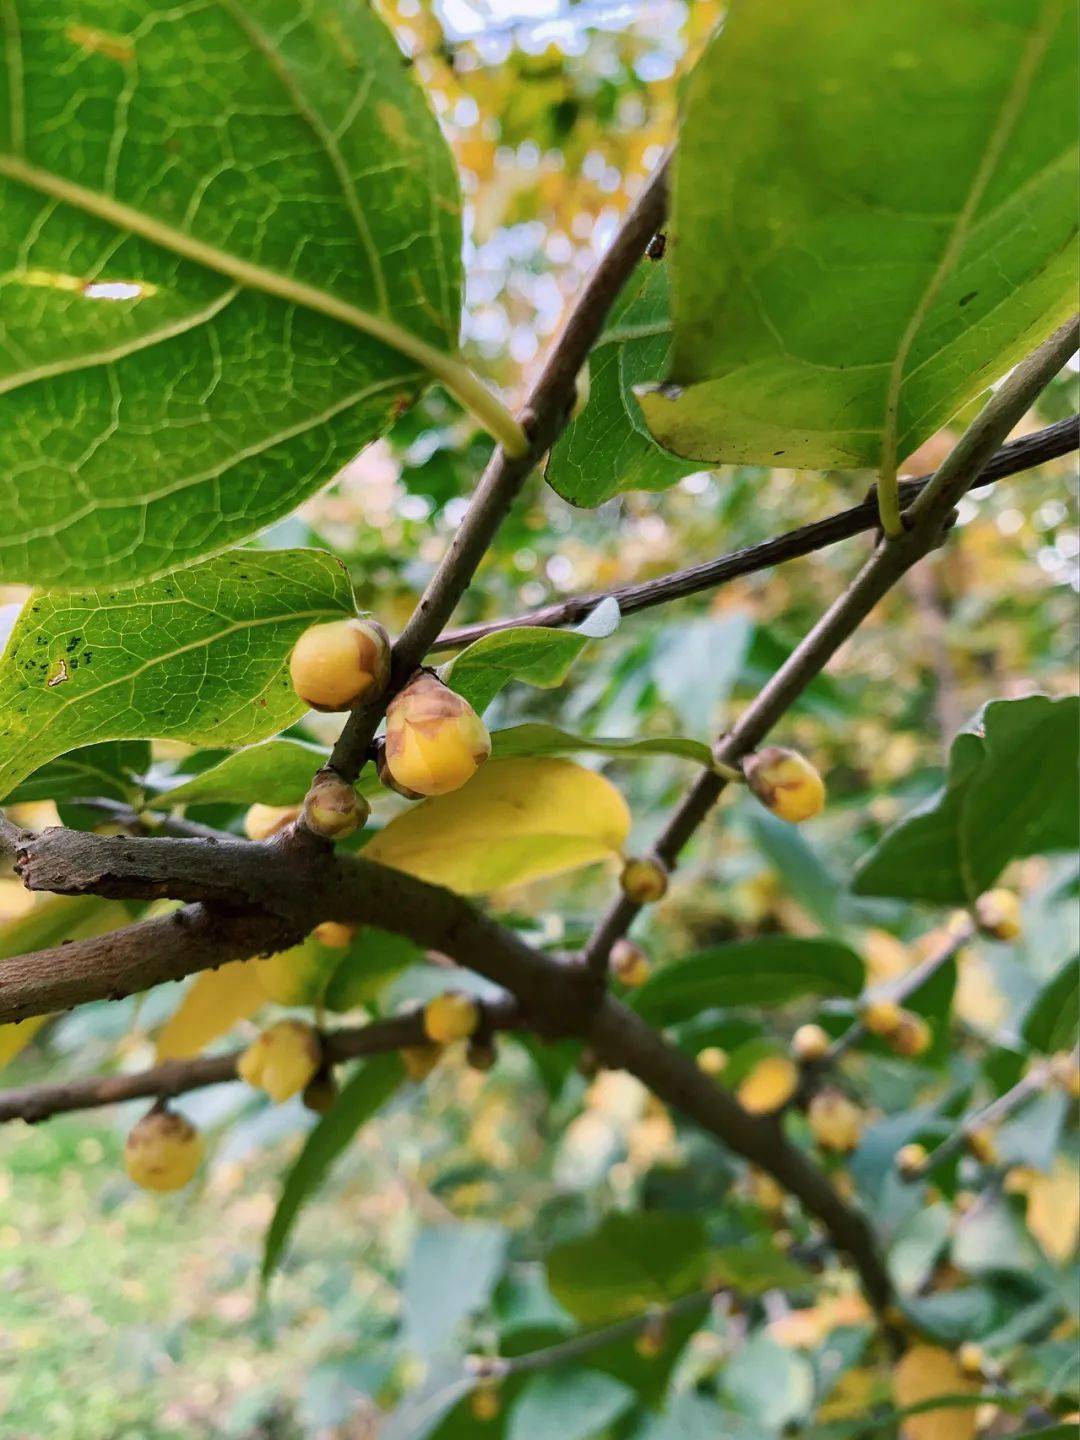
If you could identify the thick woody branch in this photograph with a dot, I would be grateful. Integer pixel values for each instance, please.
(926, 522)
(33, 1103)
(1017, 455)
(544, 416)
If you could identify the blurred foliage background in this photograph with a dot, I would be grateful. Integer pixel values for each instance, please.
(127, 1315)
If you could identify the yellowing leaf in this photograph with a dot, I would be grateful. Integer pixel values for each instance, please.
(926, 1372)
(13, 1038)
(1053, 1210)
(212, 1005)
(515, 820)
(298, 976)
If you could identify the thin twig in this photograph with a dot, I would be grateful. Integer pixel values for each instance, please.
(544, 416)
(1011, 459)
(925, 527)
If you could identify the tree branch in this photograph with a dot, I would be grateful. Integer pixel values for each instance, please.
(925, 527)
(1011, 459)
(33, 1103)
(544, 416)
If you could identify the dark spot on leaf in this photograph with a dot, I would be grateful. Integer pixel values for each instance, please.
(967, 299)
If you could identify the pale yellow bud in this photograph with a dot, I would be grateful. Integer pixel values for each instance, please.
(882, 1018)
(912, 1036)
(1065, 1073)
(435, 741)
(809, 1044)
(420, 1060)
(971, 1358)
(982, 1145)
(997, 914)
(835, 1122)
(769, 1085)
(335, 935)
(333, 809)
(712, 1060)
(339, 665)
(629, 964)
(910, 1160)
(644, 881)
(162, 1151)
(262, 821)
(450, 1017)
(282, 1060)
(785, 783)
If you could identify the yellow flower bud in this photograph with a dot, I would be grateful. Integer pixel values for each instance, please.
(809, 1044)
(835, 1122)
(997, 914)
(766, 1193)
(912, 1036)
(339, 665)
(712, 1060)
(882, 1017)
(1065, 1073)
(163, 1151)
(450, 1017)
(769, 1085)
(420, 1060)
(629, 964)
(335, 935)
(651, 1338)
(982, 1145)
(785, 783)
(485, 1403)
(333, 809)
(971, 1358)
(644, 881)
(262, 821)
(282, 1059)
(320, 1092)
(910, 1160)
(435, 741)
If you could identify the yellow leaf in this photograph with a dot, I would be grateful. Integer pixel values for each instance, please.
(14, 1037)
(212, 1005)
(515, 820)
(298, 976)
(1053, 1210)
(926, 1372)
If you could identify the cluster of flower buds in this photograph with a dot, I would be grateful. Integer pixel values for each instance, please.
(339, 665)
(903, 1031)
(283, 1060)
(162, 1151)
(435, 741)
(785, 783)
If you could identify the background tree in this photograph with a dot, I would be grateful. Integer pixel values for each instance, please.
(796, 1156)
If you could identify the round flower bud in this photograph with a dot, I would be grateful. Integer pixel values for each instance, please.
(1065, 1073)
(809, 1044)
(435, 741)
(769, 1085)
(450, 1017)
(912, 1036)
(485, 1403)
(420, 1060)
(339, 665)
(262, 821)
(971, 1358)
(882, 1018)
(320, 1092)
(982, 1145)
(910, 1160)
(629, 964)
(997, 914)
(644, 881)
(335, 935)
(785, 783)
(282, 1060)
(333, 809)
(712, 1060)
(162, 1151)
(835, 1122)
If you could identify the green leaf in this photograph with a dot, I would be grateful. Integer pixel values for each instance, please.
(281, 234)
(528, 652)
(1052, 1021)
(374, 958)
(806, 875)
(629, 1263)
(539, 739)
(113, 770)
(366, 1091)
(200, 656)
(572, 1404)
(755, 1266)
(875, 218)
(1010, 793)
(275, 772)
(607, 449)
(451, 1273)
(768, 971)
